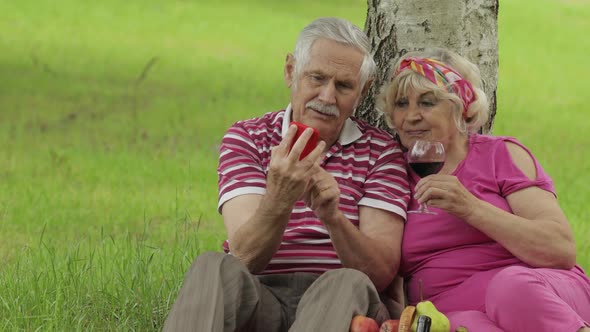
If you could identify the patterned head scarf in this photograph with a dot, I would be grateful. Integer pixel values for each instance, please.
(441, 75)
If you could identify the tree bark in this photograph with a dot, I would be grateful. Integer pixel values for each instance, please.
(468, 27)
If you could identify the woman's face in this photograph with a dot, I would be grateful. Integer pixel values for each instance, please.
(421, 115)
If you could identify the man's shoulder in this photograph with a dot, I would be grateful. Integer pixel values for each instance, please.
(267, 119)
(372, 132)
(366, 127)
(267, 124)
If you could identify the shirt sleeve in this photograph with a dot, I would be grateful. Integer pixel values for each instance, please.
(511, 179)
(387, 185)
(240, 169)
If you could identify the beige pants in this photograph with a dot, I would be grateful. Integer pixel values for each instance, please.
(219, 294)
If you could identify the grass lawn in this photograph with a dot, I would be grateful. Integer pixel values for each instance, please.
(111, 114)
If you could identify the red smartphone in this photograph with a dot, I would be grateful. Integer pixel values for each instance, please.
(311, 143)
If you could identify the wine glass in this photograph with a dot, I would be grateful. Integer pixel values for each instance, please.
(425, 158)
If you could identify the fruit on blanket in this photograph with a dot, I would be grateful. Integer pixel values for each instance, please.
(406, 318)
(440, 322)
(461, 329)
(363, 324)
(390, 325)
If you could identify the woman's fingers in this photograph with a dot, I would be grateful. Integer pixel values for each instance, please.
(430, 193)
(442, 186)
(445, 192)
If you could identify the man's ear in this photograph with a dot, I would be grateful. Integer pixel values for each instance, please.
(289, 70)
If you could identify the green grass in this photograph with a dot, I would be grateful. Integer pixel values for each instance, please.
(111, 115)
(541, 99)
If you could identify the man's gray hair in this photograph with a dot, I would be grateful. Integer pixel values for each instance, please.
(338, 30)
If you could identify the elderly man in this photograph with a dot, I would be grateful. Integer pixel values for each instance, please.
(312, 240)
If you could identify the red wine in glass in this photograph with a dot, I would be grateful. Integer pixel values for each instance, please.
(425, 168)
(426, 158)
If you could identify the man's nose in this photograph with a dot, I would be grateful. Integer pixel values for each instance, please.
(328, 94)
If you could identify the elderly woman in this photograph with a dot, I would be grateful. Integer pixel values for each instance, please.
(499, 254)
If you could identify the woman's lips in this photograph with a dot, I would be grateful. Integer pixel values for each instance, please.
(415, 133)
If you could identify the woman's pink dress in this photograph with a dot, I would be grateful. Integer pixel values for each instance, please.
(471, 278)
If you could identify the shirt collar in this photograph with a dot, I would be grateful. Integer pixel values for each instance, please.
(350, 132)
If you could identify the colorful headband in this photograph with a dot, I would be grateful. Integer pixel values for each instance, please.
(441, 75)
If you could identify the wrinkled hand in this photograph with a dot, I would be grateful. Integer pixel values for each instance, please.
(448, 193)
(288, 177)
(322, 194)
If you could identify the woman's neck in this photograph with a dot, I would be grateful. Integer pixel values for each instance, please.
(456, 152)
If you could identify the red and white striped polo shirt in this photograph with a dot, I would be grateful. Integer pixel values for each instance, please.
(366, 162)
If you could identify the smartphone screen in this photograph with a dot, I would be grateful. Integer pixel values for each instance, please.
(311, 143)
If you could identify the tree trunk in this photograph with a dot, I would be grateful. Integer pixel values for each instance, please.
(469, 27)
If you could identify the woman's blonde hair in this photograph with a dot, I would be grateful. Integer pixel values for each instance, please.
(398, 86)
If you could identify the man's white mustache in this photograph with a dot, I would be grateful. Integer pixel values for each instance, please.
(323, 108)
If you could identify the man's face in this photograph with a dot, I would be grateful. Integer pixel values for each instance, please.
(327, 88)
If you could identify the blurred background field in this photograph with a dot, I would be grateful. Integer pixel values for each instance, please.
(111, 114)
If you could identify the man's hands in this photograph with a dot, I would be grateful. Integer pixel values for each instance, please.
(323, 195)
(288, 177)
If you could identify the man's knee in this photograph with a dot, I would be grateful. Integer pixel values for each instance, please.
(213, 262)
(345, 276)
(355, 287)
